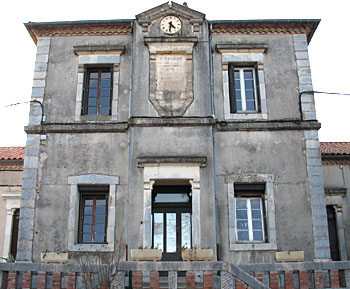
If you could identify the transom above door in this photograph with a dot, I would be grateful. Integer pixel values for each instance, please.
(172, 220)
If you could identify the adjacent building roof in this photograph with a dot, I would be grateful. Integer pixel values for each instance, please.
(11, 158)
(335, 153)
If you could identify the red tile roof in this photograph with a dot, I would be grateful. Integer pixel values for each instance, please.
(12, 153)
(335, 148)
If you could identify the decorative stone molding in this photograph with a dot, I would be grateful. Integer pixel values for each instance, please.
(170, 171)
(171, 80)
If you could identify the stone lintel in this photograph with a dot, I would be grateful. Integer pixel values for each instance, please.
(99, 49)
(144, 161)
(241, 48)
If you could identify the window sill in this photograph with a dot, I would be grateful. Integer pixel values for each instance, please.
(254, 247)
(95, 117)
(246, 116)
(91, 247)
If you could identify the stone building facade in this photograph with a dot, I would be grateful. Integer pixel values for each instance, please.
(171, 132)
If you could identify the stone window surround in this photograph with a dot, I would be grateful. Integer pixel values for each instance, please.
(246, 54)
(270, 229)
(171, 171)
(13, 200)
(97, 55)
(91, 179)
(335, 197)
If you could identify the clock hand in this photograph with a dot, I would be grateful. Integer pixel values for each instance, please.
(171, 25)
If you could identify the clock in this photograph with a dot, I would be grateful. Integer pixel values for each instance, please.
(170, 24)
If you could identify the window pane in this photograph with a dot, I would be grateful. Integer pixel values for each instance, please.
(93, 83)
(92, 110)
(87, 228)
(99, 228)
(87, 219)
(87, 238)
(100, 219)
(241, 204)
(185, 230)
(256, 214)
(242, 224)
(92, 101)
(172, 198)
(257, 235)
(105, 92)
(255, 204)
(88, 211)
(242, 214)
(249, 84)
(248, 74)
(237, 84)
(93, 75)
(239, 105)
(105, 82)
(99, 237)
(104, 110)
(249, 94)
(237, 75)
(243, 236)
(89, 202)
(104, 101)
(105, 75)
(101, 210)
(250, 105)
(92, 92)
(257, 225)
(171, 232)
(158, 231)
(238, 94)
(100, 202)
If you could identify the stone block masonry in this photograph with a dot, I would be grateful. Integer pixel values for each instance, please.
(317, 195)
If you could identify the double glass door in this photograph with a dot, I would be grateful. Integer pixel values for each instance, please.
(172, 221)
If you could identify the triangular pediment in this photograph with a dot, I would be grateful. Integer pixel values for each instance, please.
(170, 8)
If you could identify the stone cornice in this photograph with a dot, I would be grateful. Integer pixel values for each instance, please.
(262, 28)
(37, 30)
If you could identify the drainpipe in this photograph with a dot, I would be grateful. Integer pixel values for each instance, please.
(213, 136)
(129, 138)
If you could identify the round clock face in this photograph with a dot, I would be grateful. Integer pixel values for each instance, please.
(170, 24)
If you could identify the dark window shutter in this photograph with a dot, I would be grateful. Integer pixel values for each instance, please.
(257, 88)
(231, 81)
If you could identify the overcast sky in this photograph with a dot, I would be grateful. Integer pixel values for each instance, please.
(328, 50)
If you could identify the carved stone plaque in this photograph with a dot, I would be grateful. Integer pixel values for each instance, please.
(171, 90)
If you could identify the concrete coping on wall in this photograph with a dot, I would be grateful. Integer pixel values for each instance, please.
(243, 47)
(147, 161)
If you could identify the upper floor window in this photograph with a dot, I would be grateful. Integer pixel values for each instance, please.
(243, 89)
(243, 81)
(98, 91)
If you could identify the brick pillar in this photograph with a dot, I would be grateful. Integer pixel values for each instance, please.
(288, 279)
(190, 279)
(240, 284)
(27, 280)
(208, 279)
(71, 281)
(319, 279)
(334, 274)
(137, 279)
(303, 279)
(12, 280)
(41, 280)
(273, 279)
(56, 280)
(258, 276)
(154, 280)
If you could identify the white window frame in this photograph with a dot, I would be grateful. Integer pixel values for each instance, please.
(73, 223)
(270, 215)
(241, 70)
(250, 220)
